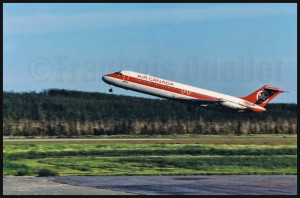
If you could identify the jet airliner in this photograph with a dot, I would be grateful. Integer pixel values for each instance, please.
(177, 91)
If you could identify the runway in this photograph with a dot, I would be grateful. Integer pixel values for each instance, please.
(30, 185)
(191, 185)
(153, 185)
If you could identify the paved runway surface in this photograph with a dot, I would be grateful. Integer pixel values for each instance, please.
(152, 185)
(191, 185)
(29, 185)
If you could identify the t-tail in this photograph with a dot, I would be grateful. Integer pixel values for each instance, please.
(262, 96)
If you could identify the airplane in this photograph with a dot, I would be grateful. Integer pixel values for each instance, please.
(177, 91)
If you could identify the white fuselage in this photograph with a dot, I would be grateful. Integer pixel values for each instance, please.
(173, 90)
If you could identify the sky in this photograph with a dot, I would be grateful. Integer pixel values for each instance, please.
(229, 48)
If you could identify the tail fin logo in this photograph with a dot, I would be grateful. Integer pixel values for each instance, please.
(262, 97)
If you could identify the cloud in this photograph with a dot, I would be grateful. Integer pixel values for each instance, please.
(48, 22)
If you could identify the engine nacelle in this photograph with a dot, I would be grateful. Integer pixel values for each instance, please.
(232, 105)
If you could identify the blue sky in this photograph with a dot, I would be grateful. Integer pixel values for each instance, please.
(229, 48)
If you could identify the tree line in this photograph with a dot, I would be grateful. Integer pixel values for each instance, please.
(56, 112)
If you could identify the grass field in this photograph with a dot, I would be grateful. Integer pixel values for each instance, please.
(172, 157)
(158, 136)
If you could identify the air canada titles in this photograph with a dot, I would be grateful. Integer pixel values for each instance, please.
(152, 79)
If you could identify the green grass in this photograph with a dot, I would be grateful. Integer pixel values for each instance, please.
(182, 141)
(159, 136)
(35, 151)
(169, 165)
(178, 157)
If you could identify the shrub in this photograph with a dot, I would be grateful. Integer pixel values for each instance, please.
(22, 172)
(47, 172)
(82, 168)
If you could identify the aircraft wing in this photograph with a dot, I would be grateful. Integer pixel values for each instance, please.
(198, 101)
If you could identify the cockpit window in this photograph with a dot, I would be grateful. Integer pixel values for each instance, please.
(119, 73)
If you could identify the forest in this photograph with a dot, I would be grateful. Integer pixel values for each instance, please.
(58, 112)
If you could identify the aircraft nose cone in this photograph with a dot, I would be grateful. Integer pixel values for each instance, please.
(105, 78)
